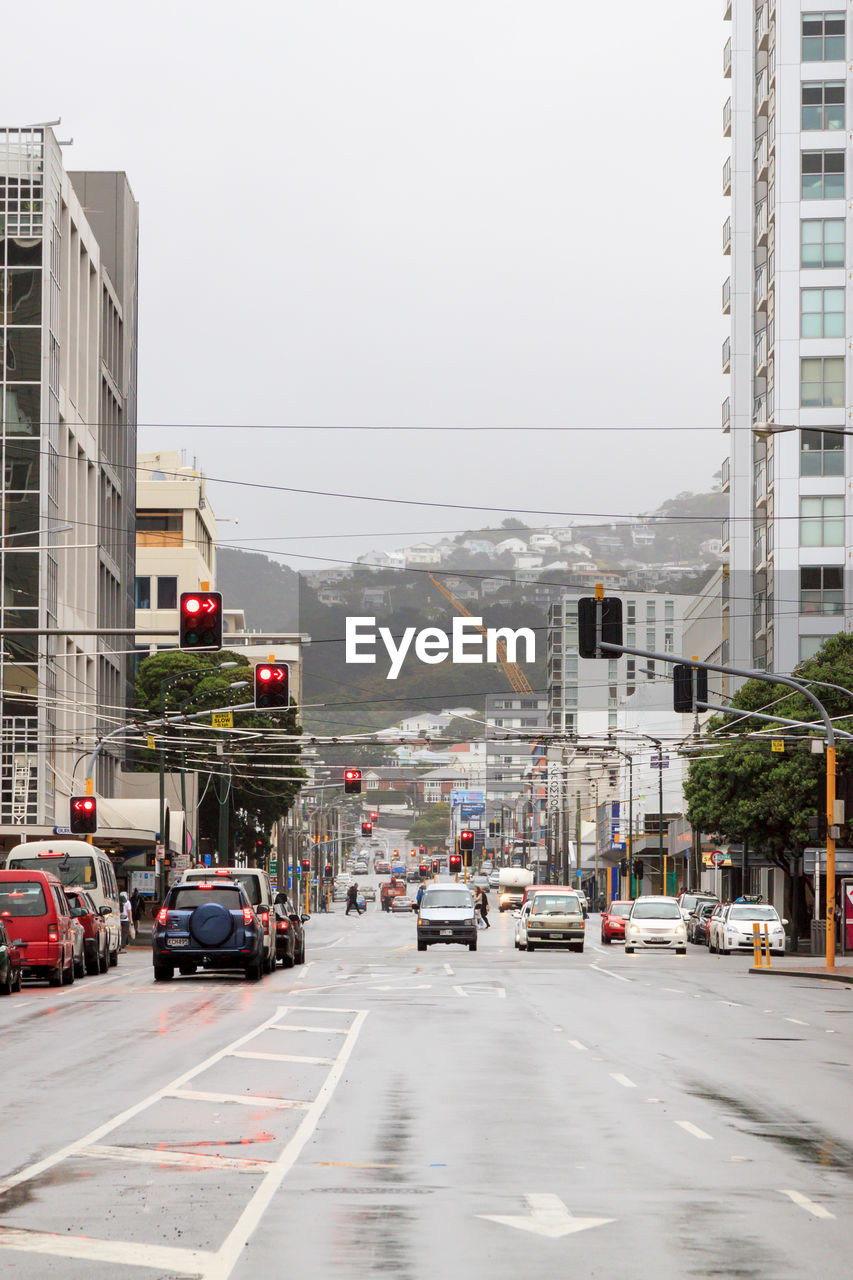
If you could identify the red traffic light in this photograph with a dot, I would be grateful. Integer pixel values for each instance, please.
(424, 869)
(373, 816)
(466, 839)
(306, 864)
(83, 815)
(366, 828)
(454, 862)
(272, 685)
(435, 866)
(352, 782)
(200, 620)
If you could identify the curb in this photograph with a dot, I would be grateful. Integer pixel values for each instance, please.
(817, 975)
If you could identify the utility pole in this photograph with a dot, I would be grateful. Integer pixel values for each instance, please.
(578, 831)
(224, 813)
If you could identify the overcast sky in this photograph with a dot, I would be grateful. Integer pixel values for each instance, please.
(386, 212)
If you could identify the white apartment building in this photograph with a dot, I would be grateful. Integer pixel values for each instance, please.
(790, 534)
(68, 335)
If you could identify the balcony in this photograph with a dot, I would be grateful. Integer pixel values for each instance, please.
(727, 236)
(727, 355)
(762, 159)
(727, 118)
(762, 27)
(771, 65)
(728, 11)
(727, 177)
(727, 296)
(724, 534)
(761, 223)
(762, 92)
(727, 59)
(761, 285)
(726, 475)
(727, 414)
(759, 363)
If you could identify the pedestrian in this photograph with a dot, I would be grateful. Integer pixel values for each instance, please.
(352, 898)
(126, 920)
(419, 895)
(136, 906)
(484, 906)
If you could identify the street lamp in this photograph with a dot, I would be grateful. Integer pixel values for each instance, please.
(764, 430)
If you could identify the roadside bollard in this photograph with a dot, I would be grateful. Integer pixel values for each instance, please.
(757, 946)
(767, 945)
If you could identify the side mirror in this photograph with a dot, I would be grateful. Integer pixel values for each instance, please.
(516, 915)
(105, 910)
(784, 921)
(19, 942)
(305, 919)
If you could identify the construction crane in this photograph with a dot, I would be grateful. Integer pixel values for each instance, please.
(512, 670)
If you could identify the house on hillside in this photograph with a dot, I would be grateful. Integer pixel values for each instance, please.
(479, 547)
(463, 588)
(528, 560)
(423, 554)
(512, 546)
(330, 595)
(436, 786)
(543, 541)
(642, 535)
(375, 598)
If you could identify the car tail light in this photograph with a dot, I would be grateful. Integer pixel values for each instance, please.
(265, 920)
(248, 915)
(162, 916)
(53, 933)
(283, 926)
(221, 871)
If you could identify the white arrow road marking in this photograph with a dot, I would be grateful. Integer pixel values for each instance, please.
(804, 1202)
(548, 1217)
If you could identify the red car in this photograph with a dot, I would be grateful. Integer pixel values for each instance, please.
(36, 914)
(95, 940)
(613, 922)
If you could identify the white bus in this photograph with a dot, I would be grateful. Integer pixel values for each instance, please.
(78, 863)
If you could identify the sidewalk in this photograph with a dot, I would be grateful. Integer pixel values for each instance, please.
(810, 967)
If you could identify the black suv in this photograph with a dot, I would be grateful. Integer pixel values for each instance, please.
(208, 923)
(289, 933)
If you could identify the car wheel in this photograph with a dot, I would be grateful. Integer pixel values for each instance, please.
(629, 951)
(254, 972)
(68, 974)
(531, 946)
(268, 964)
(681, 951)
(287, 960)
(606, 939)
(163, 973)
(103, 960)
(114, 958)
(19, 980)
(578, 949)
(55, 979)
(422, 946)
(187, 969)
(300, 959)
(79, 968)
(6, 987)
(472, 946)
(93, 966)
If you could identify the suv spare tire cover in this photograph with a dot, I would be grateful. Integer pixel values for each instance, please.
(210, 924)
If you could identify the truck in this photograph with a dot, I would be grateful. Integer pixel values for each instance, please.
(512, 881)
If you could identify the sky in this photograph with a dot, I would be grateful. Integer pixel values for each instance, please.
(387, 213)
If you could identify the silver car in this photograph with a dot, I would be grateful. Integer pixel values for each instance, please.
(655, 924)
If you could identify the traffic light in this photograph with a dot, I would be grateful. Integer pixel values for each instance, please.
(374, 817)
(422, 850)
(200, 620)
(466, 840)
(327, 871)
(367, 828)
(623, 867)
(272, 685)
(494, 828)
(423, 869)
(611, 625)
(639, 869)
(84, 816)
(682, 687)
(352, 782)
(435, 865)
(305, 865)
(454, 863)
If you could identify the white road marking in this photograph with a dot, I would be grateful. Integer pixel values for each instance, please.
(623, 1080)
(830, 1031)
(734, 1004)
(448, 970)
(242, 1099)
(576, 1044)
(460, 991)
(611, 974)
(326, 1031)
(676, 991)
(326, 946)
(548, 1216)
(172, 1262)
(283, 1057)
(417, 986)
(183, 1159)
(797, 1022)
(694, 1130)
(816, 1210)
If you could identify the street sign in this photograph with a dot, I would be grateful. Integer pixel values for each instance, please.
(273, 869)
(777, 744)
(151, 742)
(717, 858)
(62, 831)
(660, 762)
(222, 720)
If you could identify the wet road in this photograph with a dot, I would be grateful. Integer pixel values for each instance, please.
(382, 1112)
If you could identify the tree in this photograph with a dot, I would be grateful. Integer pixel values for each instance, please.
(256, 797)
(775, 801)
(431, 826)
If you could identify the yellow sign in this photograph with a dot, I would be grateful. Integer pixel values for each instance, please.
(222, 720)
(151, 742)
(777, 744)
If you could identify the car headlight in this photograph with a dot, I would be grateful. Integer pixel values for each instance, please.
(679, 928)
(635, 928)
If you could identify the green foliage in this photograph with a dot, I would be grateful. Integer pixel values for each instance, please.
(772, 800)
(432, 824)
(197, 681)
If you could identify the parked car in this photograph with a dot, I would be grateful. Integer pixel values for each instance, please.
(613, 922)
(208, 923)
(655, 924)
(446, 915)
(699, 920)
(494, 878)
(289, 933)
(521, 917)
(37, 918)
(258, 889)
(689, 902)
(731, 929)
(79, 946)
(555, 920)
(76, 863)
(10, 964)
(96, 954)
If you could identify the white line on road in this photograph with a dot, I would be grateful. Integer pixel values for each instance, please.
(623, 1080)
(460, 991)
(610, 973)
(797, 1022)
(448, 970)
(326, 1031)
(283, 1057)
(576, 1044)
(172, 1262)
(242, 1099)
(694, 1130)
(326, 946)
(804, 1202)
(676, 991)
(183, 1159)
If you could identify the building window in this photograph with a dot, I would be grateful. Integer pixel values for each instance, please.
(650, 611)
(821, 453)
(822, 242)
(822, 589)
(143, 593)
(167, 593)
(821, 522)
(631, 612)
(823, 36)
(669, 611)
(823, 105)
(822, 313)
(809, 646)
(822, 382)
(822, 175)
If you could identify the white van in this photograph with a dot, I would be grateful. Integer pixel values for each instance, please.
(74, 862)
(259, 891)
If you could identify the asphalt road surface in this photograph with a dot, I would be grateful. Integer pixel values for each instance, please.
(380, 1112)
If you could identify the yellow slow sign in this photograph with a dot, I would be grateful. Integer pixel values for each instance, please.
(222, 720)
(777, 744)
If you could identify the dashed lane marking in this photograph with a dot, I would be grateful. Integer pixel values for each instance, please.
(576, 1044)
(323, 1031)
(611, 974)
(797, 1022)
(816, 1210)
(694, 1130)
(623, 1080)
(242, 1099)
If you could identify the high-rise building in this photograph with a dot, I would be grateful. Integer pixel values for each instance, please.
(68, 323)
(787, 537)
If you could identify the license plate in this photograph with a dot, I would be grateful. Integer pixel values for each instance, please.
(179, 942)
(658, 939)
(445, 933)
